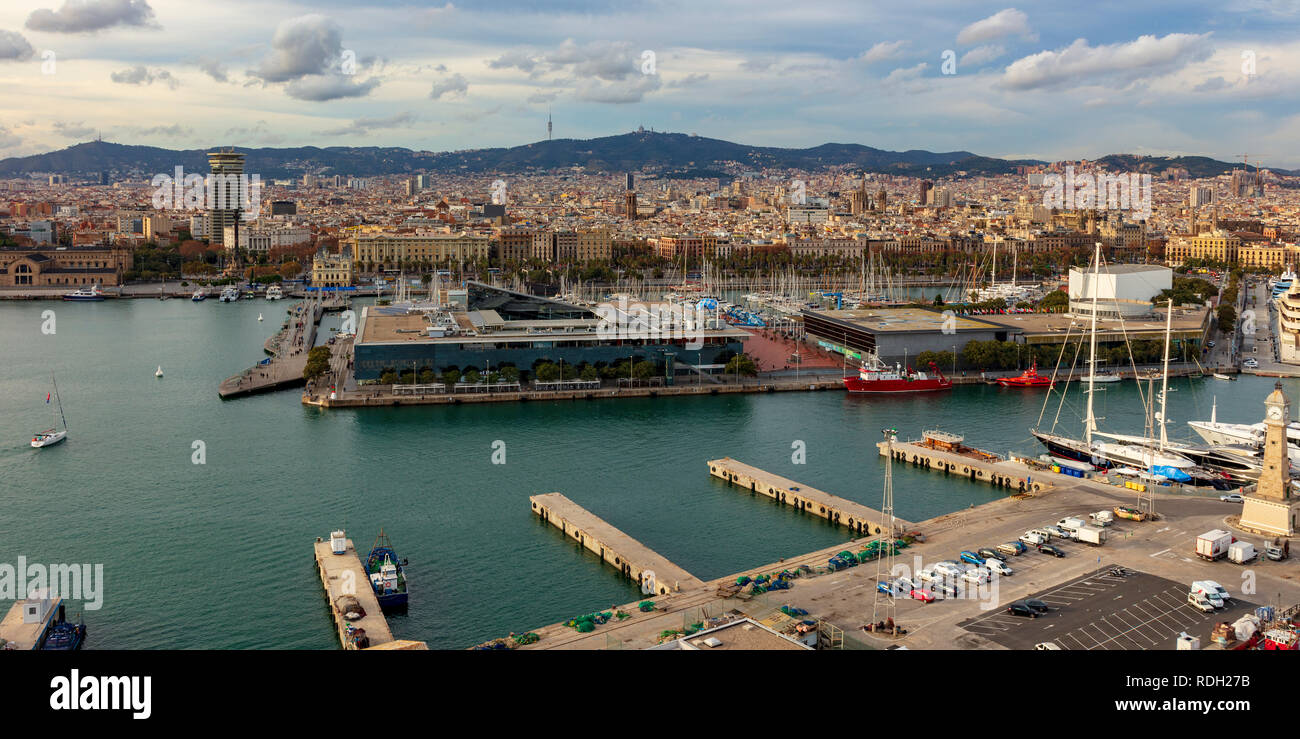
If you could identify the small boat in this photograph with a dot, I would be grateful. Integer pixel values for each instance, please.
(159, 372)
(274, 292)
(85, 294)
(259, 316)
(199, 296)
(50, 437)
(229, 295)
(386, 574)
(1028, 378)
(1105, 377)
(1221, 376)
(63, 635)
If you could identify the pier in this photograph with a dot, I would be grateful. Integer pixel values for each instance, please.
(24, 627)
(343, 575)
(634, 559)
(858, 518)
(973, 464)
(288, 350)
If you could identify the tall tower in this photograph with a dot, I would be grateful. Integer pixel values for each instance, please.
(1273, 509)
(629, 204)
(224, 194)
(548, 124)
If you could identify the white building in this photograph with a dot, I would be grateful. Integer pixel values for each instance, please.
(1121, 289)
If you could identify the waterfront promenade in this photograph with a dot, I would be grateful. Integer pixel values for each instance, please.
(288, 350)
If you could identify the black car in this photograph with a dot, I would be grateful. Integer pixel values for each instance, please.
(1049, 549)
(1020, 609)
(1036, 605)
(992, 553)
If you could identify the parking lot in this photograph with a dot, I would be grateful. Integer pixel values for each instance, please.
(1104, 611)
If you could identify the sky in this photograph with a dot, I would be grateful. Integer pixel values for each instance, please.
(1058, 80)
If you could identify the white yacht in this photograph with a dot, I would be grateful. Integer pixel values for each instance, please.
(1248, 434)
(50, 437)
(229, 295)
(274, 292)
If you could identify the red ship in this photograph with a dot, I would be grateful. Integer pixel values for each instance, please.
(880, 378)
(1029, 378)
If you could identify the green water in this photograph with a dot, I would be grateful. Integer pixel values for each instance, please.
(219, 555)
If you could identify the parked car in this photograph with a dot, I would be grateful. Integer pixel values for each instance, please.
(973, 558)
(1037, 605)
(904, 584)
(977, 575)
(946, 589)
(991, 553)
(1057, 531)
(1020, 609)
(1203, 588)
(1200, 602)
(948, 568)
(998, 566)
(1043, 532)
(922, 595)
(887, 587)
(1210, 344)
(1232, 498)
(1014, 548)
(1251, 363)
(1047, 645)
(1031, 537)
(1049, 549)
(1222, 591)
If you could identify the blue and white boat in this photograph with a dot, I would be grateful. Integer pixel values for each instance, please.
(85, 294)
(63, 635)
(386, 573)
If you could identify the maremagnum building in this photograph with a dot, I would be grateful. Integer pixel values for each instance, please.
(498, 327)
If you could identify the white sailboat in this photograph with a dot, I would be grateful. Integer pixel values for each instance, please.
(53, 436)
(159, 373)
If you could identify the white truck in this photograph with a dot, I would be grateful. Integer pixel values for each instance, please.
(1070, 523)
(1102, 518)
(1093, 535)
(1241, 552)
(1213, 544)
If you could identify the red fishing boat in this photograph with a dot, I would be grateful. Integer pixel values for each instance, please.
(1028, 378)
(878, 377)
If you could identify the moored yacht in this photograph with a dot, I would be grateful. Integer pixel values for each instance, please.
(229, 295)
(274, 292)
(85, 294)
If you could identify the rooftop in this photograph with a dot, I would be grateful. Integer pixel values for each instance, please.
(903, 320)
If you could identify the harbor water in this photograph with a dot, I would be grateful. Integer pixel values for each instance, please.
(217, 554)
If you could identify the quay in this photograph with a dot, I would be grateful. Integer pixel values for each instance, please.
(288, 359)
(384, 396)
(943, 452)
(24, 627)
(344, 576)
(858, 518)
(634, 559)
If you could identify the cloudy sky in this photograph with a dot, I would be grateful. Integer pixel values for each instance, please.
(1044, 80)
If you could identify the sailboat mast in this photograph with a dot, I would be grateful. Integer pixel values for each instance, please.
(1090, 422)
(59, 400)
(1164, 382)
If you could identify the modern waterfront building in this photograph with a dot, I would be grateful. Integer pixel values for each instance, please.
(896, 335)
(224, 189)
(498, 327)
(1120, 289)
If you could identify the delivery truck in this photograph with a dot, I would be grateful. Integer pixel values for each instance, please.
(1071, 523)
(1241, 552)
(1102, 518)
(1213, 545)
(1093, 535)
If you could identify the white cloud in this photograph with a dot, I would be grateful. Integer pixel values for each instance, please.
(882, 51)
(88, 16)
(453, 86)
(981, 55)
(142, 75)
(1080, 64)
(1008, 22)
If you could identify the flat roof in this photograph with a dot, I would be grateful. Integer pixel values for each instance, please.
(903, 320)
(381, 327)
(743, 635)
(1053, 327)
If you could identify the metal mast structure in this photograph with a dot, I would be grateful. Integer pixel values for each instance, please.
(887, 526)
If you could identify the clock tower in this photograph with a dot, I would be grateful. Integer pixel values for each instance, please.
(1273, 509)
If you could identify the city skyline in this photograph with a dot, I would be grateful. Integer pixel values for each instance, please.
(1051, 83)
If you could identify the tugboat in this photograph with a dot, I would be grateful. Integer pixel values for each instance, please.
(877, 377)
(63, 635)
(386, 574)
(1028, 378)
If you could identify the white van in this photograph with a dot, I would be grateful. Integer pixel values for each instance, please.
(998, 566)
(1033, 538)
(1211, 593)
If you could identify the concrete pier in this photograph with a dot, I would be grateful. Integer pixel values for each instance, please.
(288, 356)
(858, 518)
(23, 631)
(1014, 477)
(631, 557)
(342, 575)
